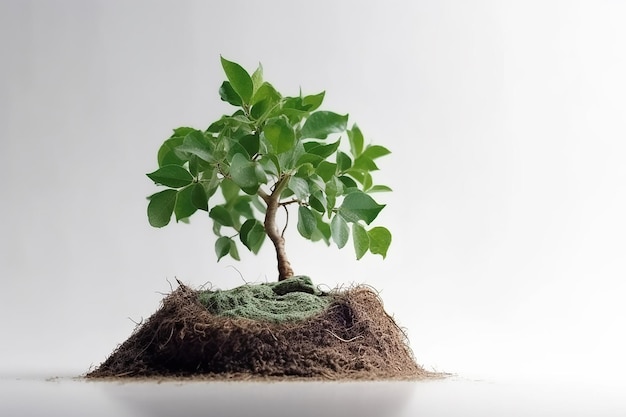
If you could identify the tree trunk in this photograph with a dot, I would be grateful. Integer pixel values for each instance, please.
(284, 266)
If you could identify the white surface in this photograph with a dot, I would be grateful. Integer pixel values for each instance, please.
(506, 122)
(446, 398)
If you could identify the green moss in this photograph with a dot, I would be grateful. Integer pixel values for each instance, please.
(293, 299)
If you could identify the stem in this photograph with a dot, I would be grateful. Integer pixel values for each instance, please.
(272, 200)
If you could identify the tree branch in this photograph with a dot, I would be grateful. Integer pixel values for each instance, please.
(286, 222)
(285, 203)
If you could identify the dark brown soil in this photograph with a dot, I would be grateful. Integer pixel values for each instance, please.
(354, 338)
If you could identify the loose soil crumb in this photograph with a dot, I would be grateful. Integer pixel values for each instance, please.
(352, 338)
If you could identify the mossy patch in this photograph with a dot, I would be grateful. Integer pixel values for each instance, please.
(293, 299)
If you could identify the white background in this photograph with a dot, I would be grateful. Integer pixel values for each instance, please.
(506, 120)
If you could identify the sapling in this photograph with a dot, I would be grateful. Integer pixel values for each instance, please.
(274, 152)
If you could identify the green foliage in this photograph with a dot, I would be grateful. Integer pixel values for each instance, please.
(271, 148)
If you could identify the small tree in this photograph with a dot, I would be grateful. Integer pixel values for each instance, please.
(273, 152)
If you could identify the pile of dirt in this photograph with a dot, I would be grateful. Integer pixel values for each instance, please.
(351, 338)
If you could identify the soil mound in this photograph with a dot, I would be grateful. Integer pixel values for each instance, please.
(351, 338)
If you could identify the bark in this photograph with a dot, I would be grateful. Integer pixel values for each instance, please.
(284, 266)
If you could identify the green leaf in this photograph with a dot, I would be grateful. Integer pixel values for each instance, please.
(322, 231)
(313, 102)
(367, 182)
(251, 144)
(380, 239)
(309, 158)
(218, 125)
(339, 231)
(300, 187)
(359, 206)
(270, 164)
(173, 176)
(343, 161)
(237, 126)
(241, 206)
(322, 123)
(210, 181)
(348, 182)
(197, 165)
(230, 190)
(161, 207)
(258, 203)
(334, 187)
(356, 140)
(221, 215)
(326, 170)
(379, 189)
(364, 163)
(261, 109)
(252, 235)
(295, 107)
(357, 174)
(288, 160)
(229, 95)
(316, 183)
(184, 206)
(261, 177)
(238, 120)
(243, 172)
(264, 100)
(279, 134)
(167, 155)
(199, 198)
(305, 170)
(223, 246)
(375, 151)
(307, 224)
(257, 78)
(360, 239)
(316, 201)
(195, 143)
(239, 79)
(321, 149)
(183, 131)
(235, 147)
(234, 253)
(266, 91)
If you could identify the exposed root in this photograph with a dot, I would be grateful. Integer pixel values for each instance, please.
(344, 340)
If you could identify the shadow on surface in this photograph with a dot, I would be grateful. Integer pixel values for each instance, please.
(296, 399)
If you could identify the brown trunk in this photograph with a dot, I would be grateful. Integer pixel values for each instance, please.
(284, 266)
